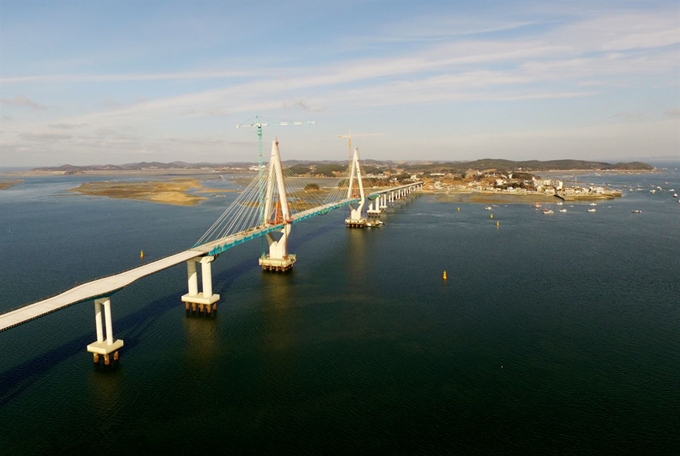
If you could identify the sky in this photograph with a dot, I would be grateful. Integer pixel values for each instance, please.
(113, 82)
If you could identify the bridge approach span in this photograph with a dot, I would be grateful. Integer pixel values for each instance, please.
(94, 289)
(374, 195)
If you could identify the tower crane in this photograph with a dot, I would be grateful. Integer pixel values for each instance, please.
(258, 124)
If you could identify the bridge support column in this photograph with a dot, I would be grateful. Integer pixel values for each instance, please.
(194, 300)
(106, 346)
(373, 208)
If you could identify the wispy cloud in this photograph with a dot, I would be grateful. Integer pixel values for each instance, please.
(128, 77)
(629, 115)
(45, 136)
(67, 126)
(196, 142)
(21, 100)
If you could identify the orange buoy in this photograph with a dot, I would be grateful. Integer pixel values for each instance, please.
(444, 277)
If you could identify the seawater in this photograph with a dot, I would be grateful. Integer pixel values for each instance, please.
(554, 334)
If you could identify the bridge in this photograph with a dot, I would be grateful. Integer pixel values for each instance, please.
(267, 208)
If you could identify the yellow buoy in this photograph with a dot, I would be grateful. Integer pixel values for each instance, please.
(444, 276)
(498, 224)
(491, 216)
(458, 209)
(141, 254)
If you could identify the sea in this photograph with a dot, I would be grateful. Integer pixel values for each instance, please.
(553, 334)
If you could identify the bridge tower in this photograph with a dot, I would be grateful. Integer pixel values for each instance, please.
(356, 219)
(277, 214)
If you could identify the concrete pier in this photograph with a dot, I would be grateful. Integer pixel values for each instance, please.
(356, 223)
(278, 264)
(106, 346)
(205, 301)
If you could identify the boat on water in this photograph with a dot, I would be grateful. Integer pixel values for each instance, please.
(536, 205)
(636, 211)
(592, 210)
(593, 204)
(562, 210)
(488, 208)
(675, 195)
(374, 224)
(547, 211)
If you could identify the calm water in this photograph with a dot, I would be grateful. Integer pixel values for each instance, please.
(553, 335)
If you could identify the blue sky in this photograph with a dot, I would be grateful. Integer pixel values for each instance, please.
(93, 82)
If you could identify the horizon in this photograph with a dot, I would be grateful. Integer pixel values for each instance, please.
(445, 81)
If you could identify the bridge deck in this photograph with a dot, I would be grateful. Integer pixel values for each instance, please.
(90, 290)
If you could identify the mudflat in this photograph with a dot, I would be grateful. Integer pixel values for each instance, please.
(174, 191)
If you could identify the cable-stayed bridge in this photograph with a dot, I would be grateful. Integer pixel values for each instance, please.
(267, 209)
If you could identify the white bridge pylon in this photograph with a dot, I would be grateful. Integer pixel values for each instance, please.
(277, 213)
(356, 218)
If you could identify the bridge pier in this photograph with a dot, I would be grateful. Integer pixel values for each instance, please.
(194, 300)
(383, 201)
(106, 345)
(373, 208)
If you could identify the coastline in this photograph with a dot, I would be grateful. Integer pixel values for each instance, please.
(184, 187)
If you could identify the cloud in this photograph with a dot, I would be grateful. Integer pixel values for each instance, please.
(196, 142)
(21, 100)
(67, 126)
(301, 103)
(628, 115)
(42, 136)
(129, 77)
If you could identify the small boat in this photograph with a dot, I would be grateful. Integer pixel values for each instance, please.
(536, 205)
(593, 204)
(592, 210)
(675, 195)
(548, 211)
(563, 210)
(488, 208)
(636, 211)
(376, 224)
